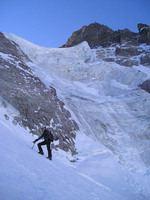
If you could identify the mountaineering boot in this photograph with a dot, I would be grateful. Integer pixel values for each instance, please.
(40, 152)
(50, 158)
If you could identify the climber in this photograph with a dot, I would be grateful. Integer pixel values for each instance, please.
(48, 138)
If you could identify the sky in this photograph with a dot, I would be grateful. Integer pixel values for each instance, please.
(50, 23)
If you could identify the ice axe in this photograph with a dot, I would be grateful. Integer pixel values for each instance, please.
(33, 146)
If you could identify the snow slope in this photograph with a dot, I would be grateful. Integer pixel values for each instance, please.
(109, 107)
(24, 174)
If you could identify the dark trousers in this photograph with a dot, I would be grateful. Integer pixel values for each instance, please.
(47, 143)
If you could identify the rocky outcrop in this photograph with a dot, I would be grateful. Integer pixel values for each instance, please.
(145, 86)
(125, 55)
(99, 35)
(128, 51)
(145, 59)
(9, 47)
(129, 55)
(37, 104)
(144, 31)
(124, 36)
(95, 34)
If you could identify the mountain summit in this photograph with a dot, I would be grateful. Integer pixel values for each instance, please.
(100, 35)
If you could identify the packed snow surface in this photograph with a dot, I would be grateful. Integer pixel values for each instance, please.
(25, 174)
(110, 108)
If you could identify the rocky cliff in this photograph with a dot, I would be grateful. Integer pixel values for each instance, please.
(37, 104)
(100, 35)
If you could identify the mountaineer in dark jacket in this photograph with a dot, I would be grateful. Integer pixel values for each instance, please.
(48, 138)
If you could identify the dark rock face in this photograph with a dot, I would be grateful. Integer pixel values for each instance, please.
(145, 59)
(126, 62)
(145, 86)
(99, 35)
(124, 36)
(128, 51)
(128, 55)
(95, 34)
(125, 55)
(36, 103)
(9, 47)
(144, 31)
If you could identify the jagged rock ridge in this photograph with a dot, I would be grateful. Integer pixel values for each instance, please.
(99, 35)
